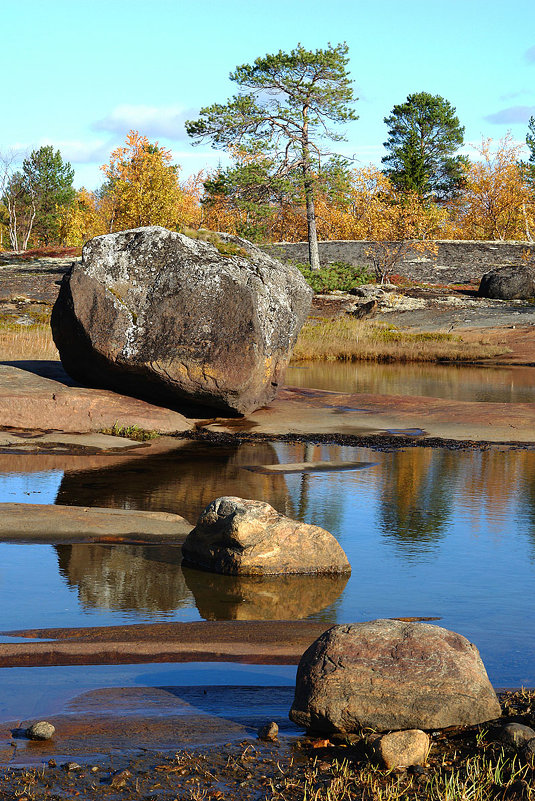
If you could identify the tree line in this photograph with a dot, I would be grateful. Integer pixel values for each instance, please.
(285, 181)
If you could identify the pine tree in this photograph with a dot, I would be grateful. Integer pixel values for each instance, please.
(424, 135)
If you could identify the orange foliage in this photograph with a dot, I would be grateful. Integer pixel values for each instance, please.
(497, 202)
(143, 187)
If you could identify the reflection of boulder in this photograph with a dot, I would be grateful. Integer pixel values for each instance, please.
(182, 482)
(159, 315)
(126, 577)
(263, 597)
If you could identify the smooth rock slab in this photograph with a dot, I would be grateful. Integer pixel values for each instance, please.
(389, 675)
(158, 315)
(246, 537)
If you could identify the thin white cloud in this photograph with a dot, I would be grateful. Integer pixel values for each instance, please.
(79, 152)
(511, 115)
(72, 150)
(530, 54)
(517, 94)
(166, 121)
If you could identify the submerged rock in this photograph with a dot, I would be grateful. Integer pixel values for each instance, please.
(237, 536)
(390, 675)
(158, 315)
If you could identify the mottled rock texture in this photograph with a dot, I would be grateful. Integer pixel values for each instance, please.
(158, 315)
(42, 730)
(401, 749)
(238, 536)
(390, 675)
(508, 283)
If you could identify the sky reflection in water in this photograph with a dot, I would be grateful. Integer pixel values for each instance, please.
(428, 532)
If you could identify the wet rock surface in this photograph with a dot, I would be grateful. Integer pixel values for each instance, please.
(389, 675)
(237, 765)
(161, 316)
(236, 536)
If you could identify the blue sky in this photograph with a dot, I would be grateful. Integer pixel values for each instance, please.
(79, 74)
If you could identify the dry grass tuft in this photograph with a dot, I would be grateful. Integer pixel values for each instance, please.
(19, 342)
(345, 339)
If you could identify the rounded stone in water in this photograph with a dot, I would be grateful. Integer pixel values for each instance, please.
(42, 730)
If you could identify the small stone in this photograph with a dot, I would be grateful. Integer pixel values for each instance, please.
(269, 732)
(52, 763)
(402, 749)
(120, 778)
(95, 769)
(40, 731)
(528, 752)
(72, 766)
(516, 734)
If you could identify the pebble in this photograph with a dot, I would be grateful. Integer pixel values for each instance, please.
(120, 778)
(40, 730)
(72, 766)
(402, 749)
(528, 752)
(269, 732)
(516, 734)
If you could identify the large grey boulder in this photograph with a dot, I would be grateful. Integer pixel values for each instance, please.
(159, 315)
(236, 536)
(390, 675)
(509, 283)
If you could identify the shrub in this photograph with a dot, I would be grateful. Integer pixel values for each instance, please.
(339, 276)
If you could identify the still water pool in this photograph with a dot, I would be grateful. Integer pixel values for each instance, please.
(428, 532)
(486, 384)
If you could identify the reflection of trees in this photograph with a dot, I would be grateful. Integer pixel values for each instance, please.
(183, 481)
(125, 577)
(416, 497)
(527, 499)
(264, 597)
(311, 506)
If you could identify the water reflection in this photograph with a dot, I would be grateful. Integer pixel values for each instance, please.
(183, 482)
(130, 578)
(428, 532)
(265, 597)
(487, 384)
(416, 499)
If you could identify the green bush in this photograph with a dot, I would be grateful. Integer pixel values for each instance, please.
(339, 276)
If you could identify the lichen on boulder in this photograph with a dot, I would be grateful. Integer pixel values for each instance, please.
(168, 318)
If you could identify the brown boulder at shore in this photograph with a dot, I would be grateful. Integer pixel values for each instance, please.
(390, 675)
(237, 536)
(170, 319)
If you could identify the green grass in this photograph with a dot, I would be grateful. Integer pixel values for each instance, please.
(338, 276)
(130, 432)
